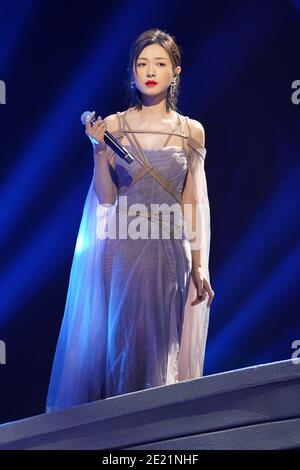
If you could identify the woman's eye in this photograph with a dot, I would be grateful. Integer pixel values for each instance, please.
(160, 63)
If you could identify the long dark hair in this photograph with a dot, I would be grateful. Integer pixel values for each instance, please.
(164, 39)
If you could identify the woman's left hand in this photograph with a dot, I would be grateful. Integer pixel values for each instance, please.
(203, 287)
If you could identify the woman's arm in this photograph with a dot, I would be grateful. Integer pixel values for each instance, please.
(190, 216)
(188, 198)
(194, 222)
(105, 183)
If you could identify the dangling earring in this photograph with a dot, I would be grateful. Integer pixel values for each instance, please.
(132, 84)
(172, 89)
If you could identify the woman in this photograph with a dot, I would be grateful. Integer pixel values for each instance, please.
(137, 309)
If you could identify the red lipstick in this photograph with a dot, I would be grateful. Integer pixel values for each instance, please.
(151, 83)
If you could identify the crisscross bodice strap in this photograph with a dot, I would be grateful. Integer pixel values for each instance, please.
(147, 168)
(188, 140)
(188, 143)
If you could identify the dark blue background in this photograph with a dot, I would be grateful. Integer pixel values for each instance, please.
(239, 61)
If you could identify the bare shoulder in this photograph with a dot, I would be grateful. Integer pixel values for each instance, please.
(111, 122)
(197, 131)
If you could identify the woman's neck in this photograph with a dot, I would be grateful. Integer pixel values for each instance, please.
(154, 114)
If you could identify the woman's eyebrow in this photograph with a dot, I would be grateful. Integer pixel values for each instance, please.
(145, 58)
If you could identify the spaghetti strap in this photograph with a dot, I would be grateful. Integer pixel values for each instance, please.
(133, 140)
(120, 128)
(182, 131)
(188, 126)
(174, 129)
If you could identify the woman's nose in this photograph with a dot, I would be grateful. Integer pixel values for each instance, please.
(150, 71)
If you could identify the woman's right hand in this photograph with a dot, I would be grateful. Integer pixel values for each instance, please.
(95, 132)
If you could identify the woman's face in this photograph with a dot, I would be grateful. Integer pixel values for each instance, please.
(154, 64)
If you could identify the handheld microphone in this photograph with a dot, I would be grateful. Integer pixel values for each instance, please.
(110, 140)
